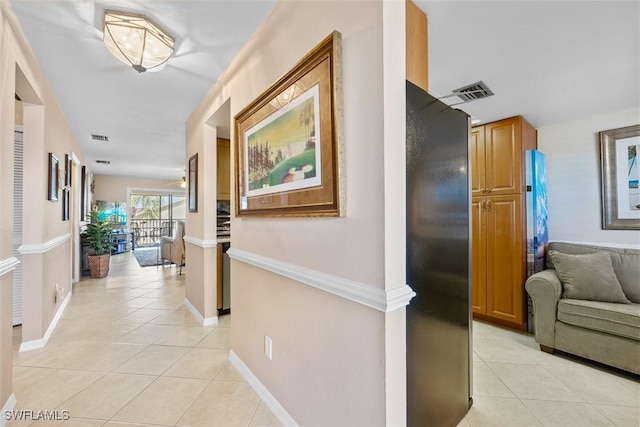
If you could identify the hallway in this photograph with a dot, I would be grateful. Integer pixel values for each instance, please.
(127, 352)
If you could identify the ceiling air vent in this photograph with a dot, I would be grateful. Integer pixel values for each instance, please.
(99, 137)
(473, 91)
(104, 162)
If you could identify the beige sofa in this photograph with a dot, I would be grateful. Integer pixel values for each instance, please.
(584, 324)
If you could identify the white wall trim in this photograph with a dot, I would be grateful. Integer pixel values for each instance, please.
(40, 248)
(36, 344)
(9, 406)
(209, 321)
(200, 243)
(7, 265)
(382, 300)
(272, 403)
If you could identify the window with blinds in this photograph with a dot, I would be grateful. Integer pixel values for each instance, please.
(17, 225)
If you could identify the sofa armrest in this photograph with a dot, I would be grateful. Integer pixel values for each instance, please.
(545, 290)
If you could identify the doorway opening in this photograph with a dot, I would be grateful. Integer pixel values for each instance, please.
(154, 214)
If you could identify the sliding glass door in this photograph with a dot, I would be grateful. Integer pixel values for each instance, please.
(154, 215)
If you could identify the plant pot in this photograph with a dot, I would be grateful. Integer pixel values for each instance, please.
(99, 265)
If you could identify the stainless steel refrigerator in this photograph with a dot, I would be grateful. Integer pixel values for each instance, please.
(438, 262)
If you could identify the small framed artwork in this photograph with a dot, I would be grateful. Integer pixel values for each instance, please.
(83, 193)
(619, 149)
(65, 204)
(192, 190)
(288, 158)
(67, 171)
(53, 174)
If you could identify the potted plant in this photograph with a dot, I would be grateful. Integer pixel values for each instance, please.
(98, 236)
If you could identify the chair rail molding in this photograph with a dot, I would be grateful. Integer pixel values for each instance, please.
(40, 248)
(384, 300)
(199, 242)
(7, 265)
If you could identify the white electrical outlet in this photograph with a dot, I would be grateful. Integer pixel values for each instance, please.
(268, 347)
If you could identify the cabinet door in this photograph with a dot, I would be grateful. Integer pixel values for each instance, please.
(224, 170)
(503, 157)
(478, 257)
(477, 161)
(505, 258)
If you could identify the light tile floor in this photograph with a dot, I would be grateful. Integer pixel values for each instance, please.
(127, 353)
(515, 384)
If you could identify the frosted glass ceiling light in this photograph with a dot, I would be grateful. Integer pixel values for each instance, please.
(136, 41)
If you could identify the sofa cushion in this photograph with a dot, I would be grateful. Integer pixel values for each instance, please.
(588, 276)
(617, 319)
(626, 264)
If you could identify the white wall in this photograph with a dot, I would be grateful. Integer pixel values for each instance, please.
(573, 178)
(335, 361)
(47, 255)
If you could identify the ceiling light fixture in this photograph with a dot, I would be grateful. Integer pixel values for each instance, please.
(136, 41)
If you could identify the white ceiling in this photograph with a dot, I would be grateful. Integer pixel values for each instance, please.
(550, 61)
(143, 114)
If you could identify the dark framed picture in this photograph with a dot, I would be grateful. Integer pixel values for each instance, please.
(288, 158)
(620, 175)
(65, 204)
(67, 171)
(83, 193)
(53, 174)
(192, 190)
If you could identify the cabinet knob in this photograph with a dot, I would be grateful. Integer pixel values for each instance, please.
(489, 205)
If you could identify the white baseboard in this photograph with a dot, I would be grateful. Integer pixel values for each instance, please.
(272, 403)
(36, 344)
(9, 406)
(209, 321)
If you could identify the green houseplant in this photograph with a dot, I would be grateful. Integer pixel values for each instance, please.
(98, 236)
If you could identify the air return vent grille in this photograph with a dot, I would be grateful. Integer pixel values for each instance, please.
(99, 137)
(104, 162)
(473, 91)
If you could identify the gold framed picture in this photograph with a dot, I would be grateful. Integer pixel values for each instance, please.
(288, 158)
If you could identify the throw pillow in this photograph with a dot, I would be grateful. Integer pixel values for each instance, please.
(588, 277)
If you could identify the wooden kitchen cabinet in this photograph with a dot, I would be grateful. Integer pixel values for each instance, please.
(497, 156)
(498, 220)
(499, 258)
(224, 169)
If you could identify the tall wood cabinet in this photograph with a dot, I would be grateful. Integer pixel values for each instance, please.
(498, 220)
(224, 170)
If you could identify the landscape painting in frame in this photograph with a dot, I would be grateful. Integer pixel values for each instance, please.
(282, 151)
(288, 158)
